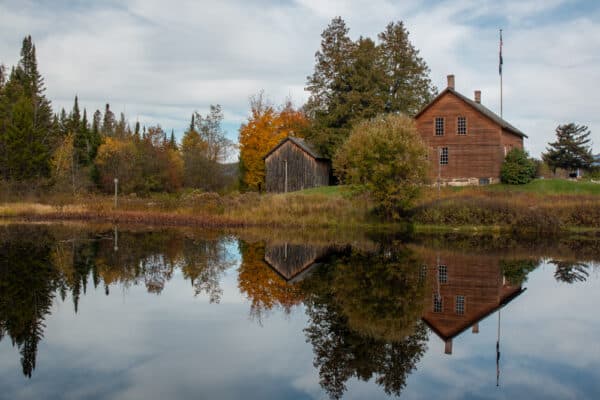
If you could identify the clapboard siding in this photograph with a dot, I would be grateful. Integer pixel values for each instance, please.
(304, 171)
(478, 154)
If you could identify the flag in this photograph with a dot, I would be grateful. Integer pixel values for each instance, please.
(500, 61)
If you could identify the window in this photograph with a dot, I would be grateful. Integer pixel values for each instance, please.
(439, 126)
(442, 274)
(484, 181)
(461, 127)
(444, 156)
(459, 307)
(437, 303)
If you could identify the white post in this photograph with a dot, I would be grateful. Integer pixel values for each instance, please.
(116, 191)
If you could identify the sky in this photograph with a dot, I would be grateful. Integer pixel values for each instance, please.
(159, 61)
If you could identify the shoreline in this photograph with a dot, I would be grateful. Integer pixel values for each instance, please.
(216, 221)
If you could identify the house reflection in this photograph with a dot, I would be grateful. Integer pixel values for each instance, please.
(464, 291)
(293, 262)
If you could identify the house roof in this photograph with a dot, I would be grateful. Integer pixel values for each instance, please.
(479, 107)
(309, 149)
(468, 322)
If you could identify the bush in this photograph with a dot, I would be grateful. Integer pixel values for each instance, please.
(386, 158)
(518, 168)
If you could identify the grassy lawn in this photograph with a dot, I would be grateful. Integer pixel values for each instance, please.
(538, 186)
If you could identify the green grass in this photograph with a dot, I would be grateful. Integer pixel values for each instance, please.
(540, 186)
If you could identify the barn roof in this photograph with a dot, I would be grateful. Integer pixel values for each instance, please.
(310, 150)
(479, 107)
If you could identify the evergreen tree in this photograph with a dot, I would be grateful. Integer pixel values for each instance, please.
(173, 141)
(571, 150)
(108, 123)
(408, 85)
(75, 118)
(136, 132)
(26, 129)
(63, 123)
(353, 81)
(121, 127)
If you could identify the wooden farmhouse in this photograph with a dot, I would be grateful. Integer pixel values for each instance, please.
(467, 141)
(294, 165)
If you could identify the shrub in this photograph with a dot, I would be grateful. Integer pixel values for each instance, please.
(518, 168)
(386, 158)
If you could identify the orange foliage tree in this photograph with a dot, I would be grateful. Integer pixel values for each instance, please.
(262, 286)
(266, 127)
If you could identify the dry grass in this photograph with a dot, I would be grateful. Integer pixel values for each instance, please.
(518, 211)
(205, 209)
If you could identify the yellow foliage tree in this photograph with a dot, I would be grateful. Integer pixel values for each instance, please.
(265, 128)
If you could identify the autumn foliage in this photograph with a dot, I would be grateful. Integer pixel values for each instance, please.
(266, 127)
(263, 287)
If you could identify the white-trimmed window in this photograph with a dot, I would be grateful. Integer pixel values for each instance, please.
(459, 306)
(442, 274)
(437, 303)
(461, 126)
(444, 156)
(439, 126)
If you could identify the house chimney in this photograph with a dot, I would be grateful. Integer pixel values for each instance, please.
(478, 96)
(448, 347)
(476, 327)
(451, 81)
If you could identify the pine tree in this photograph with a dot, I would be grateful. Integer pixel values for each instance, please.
(121, 127)
(26, 131)
(571, 150)
(173, 141)
(108, 123)
(408, 85)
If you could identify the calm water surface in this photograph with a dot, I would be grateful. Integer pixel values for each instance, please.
(105, 313)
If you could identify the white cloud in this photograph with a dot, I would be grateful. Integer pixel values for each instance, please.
(162, 61)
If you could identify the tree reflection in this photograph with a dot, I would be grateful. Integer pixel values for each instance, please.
(262, 286)
(364, 311)
(203, 263)
(28, 282)
(516, 271)
(570, 271)
(37, 263)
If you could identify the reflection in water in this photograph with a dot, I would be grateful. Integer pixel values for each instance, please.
(466, 289)
(35, 265)
(364, 310)
(370, 306)
(570, 271)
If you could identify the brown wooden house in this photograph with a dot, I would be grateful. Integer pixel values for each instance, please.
(465, 289)
(295, 165)
(467, 141)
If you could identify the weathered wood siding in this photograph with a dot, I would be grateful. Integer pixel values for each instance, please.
(478, 279)
(303, 170)
(289, 260)
(478, 154)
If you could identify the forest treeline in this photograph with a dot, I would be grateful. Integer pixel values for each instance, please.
(79, 151)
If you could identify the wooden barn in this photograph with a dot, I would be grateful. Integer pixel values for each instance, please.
(293, 261)
(467, 141)
(294, 165)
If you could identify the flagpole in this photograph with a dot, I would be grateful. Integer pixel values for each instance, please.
(500, 69)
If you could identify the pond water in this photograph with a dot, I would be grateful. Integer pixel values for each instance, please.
(100, 312)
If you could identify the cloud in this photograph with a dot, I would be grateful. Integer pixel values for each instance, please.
(162, 61)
